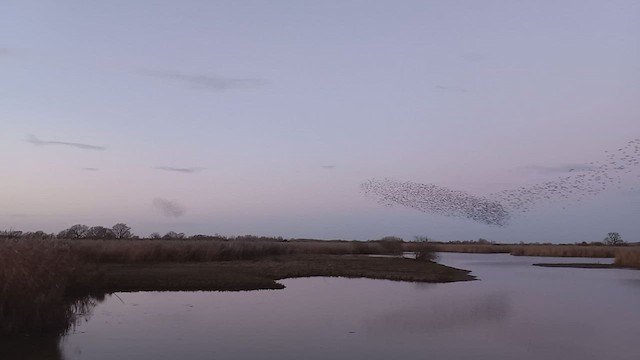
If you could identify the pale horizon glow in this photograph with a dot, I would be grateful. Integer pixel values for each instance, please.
(264, 118)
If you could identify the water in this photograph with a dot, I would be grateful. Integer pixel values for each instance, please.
(516, 311)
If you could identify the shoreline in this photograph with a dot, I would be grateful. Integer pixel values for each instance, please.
(583, 266)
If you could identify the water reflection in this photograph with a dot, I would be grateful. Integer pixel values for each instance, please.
(31, 348)
(631, 282)
(443, 314)
(515, 311)
(49, 346)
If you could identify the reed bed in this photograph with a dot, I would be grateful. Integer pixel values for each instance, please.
(590, 251)
(567, 251)
(36, 280)
(629, 258)
(470, 248)
(146, 251)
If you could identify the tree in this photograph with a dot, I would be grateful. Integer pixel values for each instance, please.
(425, 251)
(155, 236)
(77, 231)
(121, 231)
(614, 239)
(11, 234)
(172, 235)
(392, 244)
(100, 232)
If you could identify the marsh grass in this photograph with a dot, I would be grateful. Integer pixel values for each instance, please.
(587, 251)
(472, 248)
(629, 258)
(149, 251)
(38, 280)
(567, 251)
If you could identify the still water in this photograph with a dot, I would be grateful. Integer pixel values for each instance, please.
(515, 311)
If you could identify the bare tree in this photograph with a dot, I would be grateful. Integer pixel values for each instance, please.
(100, 232)
(172, 235)
(11, 234)
(121, 231)
(77, 231)
(155, 236)
(614, 239)
(424, 249)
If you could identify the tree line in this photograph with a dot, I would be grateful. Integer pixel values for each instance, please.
(119, 231)
(123, 231)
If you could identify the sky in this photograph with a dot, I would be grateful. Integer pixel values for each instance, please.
(265, 117)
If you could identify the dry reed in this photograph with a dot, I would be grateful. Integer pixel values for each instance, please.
(566, 251)
(146, 251)
(470, 248)
(36, 279)
(629, 258)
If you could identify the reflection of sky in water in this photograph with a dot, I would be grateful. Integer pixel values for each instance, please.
(513, 312)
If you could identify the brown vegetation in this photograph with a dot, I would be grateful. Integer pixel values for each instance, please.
(263, 274)
(146, 251)
(628, 258)
(551, 250)
(567, 251)
(472, 248)
(37, 280)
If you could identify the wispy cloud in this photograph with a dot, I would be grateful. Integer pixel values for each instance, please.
(168, 208)
(559, 169)
(5, 52)
(451, 88)
(38, 142)
(178, 169)
(18, 215)
(89, 169)
(206, 81)
(328, 167)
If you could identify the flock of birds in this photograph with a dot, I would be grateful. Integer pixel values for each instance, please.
(436, 199)
(497, 208)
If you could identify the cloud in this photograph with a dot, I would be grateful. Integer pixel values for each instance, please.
(559, 169)
(208, 82)
(18, 215)
(177, 169)
(442, 314)
(328, 166)
(35, 141)
(5, 52)
(168, 208)
(451, 88)
(89, 169)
